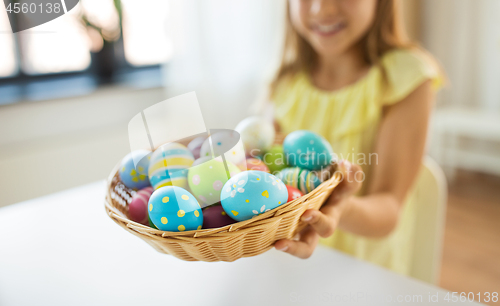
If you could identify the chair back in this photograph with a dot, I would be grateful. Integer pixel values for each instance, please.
(431, 196)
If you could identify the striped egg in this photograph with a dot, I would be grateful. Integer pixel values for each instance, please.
(138, 207)
(302, 179)
(169, 165)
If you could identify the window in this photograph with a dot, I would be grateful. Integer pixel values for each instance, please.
(8, 63)
(60, 45)
(64, 57)
(144, 35)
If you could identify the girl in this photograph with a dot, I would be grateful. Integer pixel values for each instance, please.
(350, 74)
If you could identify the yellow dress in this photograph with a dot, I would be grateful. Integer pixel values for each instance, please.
(349, 118)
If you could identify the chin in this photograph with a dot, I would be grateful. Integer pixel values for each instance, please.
(329, 46)
(330, 49)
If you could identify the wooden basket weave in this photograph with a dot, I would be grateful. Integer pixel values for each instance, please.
(242, 239)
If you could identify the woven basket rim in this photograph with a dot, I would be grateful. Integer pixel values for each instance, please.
(213, 233)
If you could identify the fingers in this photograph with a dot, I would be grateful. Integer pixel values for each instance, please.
(353, 175)
(352, 180)
(302, 248)
(322, 223)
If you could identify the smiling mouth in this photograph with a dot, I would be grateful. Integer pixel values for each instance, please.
(329, 29)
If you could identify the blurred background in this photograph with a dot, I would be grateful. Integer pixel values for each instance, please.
(69, 87)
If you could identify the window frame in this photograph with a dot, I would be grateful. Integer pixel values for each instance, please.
(120, 67)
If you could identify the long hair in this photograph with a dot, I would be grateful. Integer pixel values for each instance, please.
(386, 33)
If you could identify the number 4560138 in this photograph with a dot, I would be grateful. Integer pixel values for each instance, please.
(24, 8)
(464, 297)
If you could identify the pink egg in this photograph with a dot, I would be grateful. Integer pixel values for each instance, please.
(256, 164)
(138, 207)
(195, 146)
(215, 216)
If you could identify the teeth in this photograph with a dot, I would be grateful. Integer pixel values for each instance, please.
(329, 28)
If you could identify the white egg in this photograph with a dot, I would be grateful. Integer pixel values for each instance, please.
(257, 134)
(227, 143)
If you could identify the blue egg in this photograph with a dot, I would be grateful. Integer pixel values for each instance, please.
(307, 150)
(302, 179)
(251, 193)
(135, 176)
(174, 209)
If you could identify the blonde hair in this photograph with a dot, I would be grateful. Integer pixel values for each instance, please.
(386, 33)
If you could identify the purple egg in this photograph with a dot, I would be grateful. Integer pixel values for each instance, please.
(195, 146)
(138, 207)
(215, 216)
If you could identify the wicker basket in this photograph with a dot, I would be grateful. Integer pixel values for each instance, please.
(229, 243)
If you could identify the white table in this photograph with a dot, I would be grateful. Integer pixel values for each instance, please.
(62, 249)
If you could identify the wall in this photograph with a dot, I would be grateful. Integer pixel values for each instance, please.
(464, 35)
(47, 146)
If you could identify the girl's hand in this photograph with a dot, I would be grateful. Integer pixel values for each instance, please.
(323, 222)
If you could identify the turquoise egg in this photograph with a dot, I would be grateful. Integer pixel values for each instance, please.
(134, 169)
(251, 193)
(174, 209)
(307, 150)
(302, 179)
(169, 165)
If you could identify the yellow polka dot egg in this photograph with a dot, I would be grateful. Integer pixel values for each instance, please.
(174, 209)
(134, 169)
(251, 193)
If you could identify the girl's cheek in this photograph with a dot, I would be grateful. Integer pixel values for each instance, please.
(299, 14)
(361, 11)
(360, 15)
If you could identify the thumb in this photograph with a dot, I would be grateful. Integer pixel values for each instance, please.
(352, 179)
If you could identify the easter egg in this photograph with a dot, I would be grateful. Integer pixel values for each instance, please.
(195, 146)
(168, 165)
(134, 169)
(227, 143)
(215, 216)
(256, 164)
(138, 207)
(207, 178)
(275, 159)
(201, 160)
(302, 179)
(174, 209)
(121, 194)
(307, 150)
(293, 193)
(251, 193)
(151, 222)
(257, 134)
(326, 173)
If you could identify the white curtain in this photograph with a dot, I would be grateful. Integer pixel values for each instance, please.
(225, 50)
(465, 36)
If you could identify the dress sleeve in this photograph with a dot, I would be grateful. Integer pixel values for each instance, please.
(405, 70)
